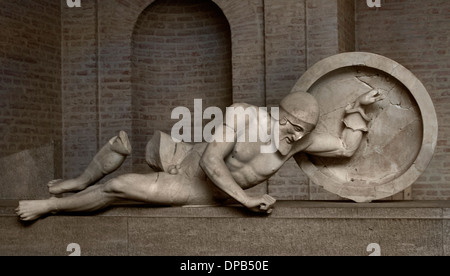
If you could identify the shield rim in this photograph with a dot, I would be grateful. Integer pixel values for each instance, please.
(427, 111)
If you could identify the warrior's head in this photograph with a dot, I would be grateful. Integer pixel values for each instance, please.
(299, 115)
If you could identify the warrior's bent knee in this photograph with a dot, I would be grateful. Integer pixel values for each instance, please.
(116, 186)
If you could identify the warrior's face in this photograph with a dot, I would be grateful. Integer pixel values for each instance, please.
(299, 115)
(292, 130)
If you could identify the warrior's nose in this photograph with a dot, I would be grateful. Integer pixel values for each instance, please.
(297, 138)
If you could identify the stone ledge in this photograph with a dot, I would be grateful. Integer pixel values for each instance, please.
(294, 228)
(284, 209)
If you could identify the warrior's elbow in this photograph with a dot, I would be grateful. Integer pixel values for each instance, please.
(207, 163)
(348, 150)
(212, 166)
(348, 153)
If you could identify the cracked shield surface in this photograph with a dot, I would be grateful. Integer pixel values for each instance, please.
(402, 130)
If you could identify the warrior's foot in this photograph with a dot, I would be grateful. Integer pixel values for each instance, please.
(33, 210)
(60, 186)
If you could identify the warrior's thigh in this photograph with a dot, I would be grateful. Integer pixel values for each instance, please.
(156, 188)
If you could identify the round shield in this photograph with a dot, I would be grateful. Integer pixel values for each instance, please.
(403, 127)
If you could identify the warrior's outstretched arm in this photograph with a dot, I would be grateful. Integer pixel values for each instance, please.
(214, 166)
(355, 120)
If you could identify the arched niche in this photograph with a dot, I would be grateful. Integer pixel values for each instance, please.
(181, 51)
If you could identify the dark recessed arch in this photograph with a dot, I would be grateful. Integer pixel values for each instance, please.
(181, 51)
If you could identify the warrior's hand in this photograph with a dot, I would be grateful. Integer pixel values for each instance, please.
(370, 97)
(263, 204)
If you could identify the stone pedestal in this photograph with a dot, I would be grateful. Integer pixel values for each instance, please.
(294, 229)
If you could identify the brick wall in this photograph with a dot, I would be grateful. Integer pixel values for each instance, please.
(322, 30)
(181, 52)
(246, 19)
(79, 89)
(417, 35)
(109, 83)
(30, 83)
(346, 25)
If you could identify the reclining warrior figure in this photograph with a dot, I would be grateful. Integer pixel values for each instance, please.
(205, 174)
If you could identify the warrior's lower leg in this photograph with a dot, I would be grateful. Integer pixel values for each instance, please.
(106, 161)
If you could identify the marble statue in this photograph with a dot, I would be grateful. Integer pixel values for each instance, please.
(205, 174)
(358, 124)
